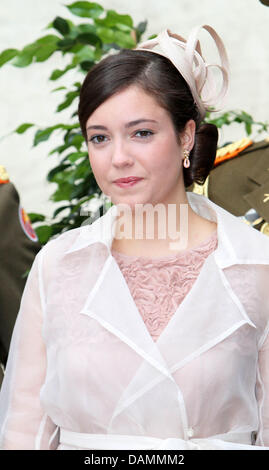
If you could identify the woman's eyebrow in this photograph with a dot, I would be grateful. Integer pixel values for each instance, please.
(138, 121)
(129, 124)
(103, 128)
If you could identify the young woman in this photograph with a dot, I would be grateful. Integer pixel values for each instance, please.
(147, 329)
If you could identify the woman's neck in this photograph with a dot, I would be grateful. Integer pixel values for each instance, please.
(159, 232)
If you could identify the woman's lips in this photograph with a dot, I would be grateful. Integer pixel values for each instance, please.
(128, 182)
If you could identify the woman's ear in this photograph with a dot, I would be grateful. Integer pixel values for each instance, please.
(188, 135)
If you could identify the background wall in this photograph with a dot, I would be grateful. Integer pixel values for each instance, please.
(24, 92)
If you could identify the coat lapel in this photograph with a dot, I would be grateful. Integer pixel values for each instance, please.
(209, 313)
(112, 305)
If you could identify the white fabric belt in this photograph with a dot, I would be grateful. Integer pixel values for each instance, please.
(242, 441)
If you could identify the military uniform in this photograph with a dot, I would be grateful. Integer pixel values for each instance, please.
(18, 248)
(239, 182)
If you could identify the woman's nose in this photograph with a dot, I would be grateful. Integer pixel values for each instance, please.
(120, 154)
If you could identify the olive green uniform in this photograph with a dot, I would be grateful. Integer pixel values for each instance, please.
(18, 249)
(241, 184)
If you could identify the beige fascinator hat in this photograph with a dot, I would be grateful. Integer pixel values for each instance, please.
(186, 55)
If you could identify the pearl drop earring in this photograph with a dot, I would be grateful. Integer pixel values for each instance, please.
(186, 161)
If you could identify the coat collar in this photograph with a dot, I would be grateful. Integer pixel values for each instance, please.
(237, 242)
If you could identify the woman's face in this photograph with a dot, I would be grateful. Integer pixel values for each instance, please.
(131, 135)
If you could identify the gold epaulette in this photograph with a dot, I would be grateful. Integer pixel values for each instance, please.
(232, 150)
(4, 178)
(201, 188)
(265, 228)
(224, 153)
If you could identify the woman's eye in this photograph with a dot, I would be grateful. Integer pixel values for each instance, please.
(98, 139)
(144, 133)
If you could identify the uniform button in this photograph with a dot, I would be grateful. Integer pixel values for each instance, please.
(190, 432)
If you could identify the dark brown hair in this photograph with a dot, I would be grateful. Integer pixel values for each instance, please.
(157, 76)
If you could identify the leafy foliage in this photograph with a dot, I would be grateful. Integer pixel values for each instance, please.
(85, 43)
(241, 117)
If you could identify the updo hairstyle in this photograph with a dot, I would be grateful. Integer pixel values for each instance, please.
(157, 76)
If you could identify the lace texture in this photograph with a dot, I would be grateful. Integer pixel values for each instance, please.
(159, 285)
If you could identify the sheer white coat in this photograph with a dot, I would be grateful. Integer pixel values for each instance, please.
(84, 372)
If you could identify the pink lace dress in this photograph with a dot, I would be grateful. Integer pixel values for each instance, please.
(158, 285)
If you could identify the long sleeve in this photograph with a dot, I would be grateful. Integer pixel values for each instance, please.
(23, 423)
(263, 390)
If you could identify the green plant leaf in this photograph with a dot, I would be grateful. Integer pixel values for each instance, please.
(63, 192)
(86, 9)
(25, 57)
(152, 36)
(61, 226)
(114, 19)
(44, 134)
(246, 117)
(47, 45)
(123, 28)
(58, 89)
(248, 128)
(82, 170)
(86, 28)
(60, 209)
(82, 201)
(44, 232)
(7, 55)
(86, 53)
(68, 100)
(66, 44)
(76, 140)
(141, 27)
(23, 127)
(60, 149)
(118, 37)
(74, 156)
(106, 34)
(48, 39)
(34, 217)
(53, 174)
(78, 190)
(40, 50)
(70, 126)
(61, 177)
(98, 52)
(89, 38)
(124, 40)
(61, 25)
(86, 65)
(59, 73)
